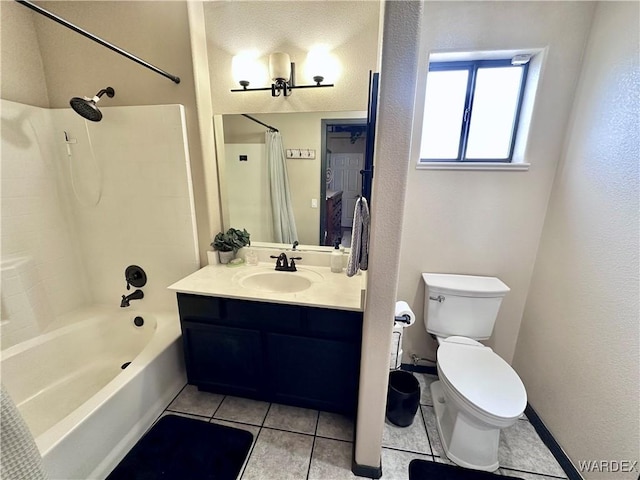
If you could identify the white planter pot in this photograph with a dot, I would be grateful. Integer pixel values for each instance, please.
(226, 257)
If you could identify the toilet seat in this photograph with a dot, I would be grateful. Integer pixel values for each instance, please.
(481, 379)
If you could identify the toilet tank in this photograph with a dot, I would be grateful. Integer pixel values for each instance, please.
(463, 305)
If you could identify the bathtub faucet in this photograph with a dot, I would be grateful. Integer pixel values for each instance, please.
(137, 295)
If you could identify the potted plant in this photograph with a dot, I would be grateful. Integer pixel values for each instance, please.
(229, 242)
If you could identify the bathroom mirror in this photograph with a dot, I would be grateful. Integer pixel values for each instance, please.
(325, 152)
(350, 33)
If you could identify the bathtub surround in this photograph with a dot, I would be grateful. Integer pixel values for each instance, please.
(72, 223)
(42, 273)
(138, 158)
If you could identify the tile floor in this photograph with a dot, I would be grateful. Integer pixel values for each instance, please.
(297, 443)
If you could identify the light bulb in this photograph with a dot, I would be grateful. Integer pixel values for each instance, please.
(280, 66)
(321, 65)
(246, 68)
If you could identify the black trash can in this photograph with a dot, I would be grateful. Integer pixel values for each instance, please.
(403, 398)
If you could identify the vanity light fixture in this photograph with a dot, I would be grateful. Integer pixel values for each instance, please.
(283, 75)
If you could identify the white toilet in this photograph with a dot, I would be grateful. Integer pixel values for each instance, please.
(478, 393)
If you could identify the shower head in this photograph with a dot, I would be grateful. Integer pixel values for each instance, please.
(86, 107)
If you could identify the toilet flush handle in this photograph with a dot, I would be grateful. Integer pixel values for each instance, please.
(438, 299)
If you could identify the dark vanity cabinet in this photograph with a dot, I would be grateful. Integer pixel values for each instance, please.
(302, 356)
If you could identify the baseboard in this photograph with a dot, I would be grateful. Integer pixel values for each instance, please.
(365, 470)
(409, 367)
(551, 443)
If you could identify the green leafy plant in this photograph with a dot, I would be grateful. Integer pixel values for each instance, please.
(231, 240)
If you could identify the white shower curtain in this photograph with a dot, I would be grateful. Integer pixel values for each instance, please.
(284, 225)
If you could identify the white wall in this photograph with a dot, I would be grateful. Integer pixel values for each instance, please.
(22, 71)
(348, 28)
(131, 199)
(578, 349)
(481, 222)
(42, 276)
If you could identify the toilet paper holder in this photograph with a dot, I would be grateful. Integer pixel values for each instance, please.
(402, 318)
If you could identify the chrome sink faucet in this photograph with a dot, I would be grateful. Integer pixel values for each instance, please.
(283, 265)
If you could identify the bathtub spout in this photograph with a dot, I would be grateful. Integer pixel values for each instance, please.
(137, 295)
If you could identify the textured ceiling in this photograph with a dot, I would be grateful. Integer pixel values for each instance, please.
(270, 26)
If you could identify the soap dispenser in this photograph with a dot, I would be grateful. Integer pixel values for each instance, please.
(336, 257)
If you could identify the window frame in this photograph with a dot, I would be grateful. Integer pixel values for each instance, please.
(472, 67)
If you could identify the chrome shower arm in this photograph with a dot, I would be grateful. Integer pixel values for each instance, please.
(96, 39)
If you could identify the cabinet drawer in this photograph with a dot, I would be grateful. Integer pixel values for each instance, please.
(337, 324)
(265, 316)
(199, 308)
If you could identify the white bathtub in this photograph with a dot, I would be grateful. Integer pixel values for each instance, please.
(83, 409)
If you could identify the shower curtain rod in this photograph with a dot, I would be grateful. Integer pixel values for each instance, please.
(96, 39)
(273, 129)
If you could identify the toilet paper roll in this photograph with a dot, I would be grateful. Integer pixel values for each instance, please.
(402, 308)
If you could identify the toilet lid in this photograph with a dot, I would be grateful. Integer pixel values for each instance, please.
(482, 377)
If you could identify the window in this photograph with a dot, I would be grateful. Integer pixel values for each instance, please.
(471, 111)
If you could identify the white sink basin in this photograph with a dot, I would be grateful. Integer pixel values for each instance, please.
(268, 280)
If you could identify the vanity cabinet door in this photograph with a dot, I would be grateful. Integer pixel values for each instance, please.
(313, 373)
(223, 359)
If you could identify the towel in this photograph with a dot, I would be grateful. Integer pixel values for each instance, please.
(359, 255)
(364, 249)
(20, 456)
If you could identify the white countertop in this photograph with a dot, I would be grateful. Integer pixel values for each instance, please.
(331, 290)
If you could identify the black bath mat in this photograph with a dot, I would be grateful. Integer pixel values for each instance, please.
(184, 448)
(423, 470)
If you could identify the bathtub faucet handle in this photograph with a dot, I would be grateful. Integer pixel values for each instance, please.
(135, 276)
